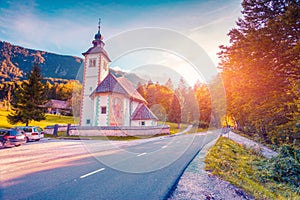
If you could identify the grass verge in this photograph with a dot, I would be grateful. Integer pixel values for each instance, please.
(49, 121)
(237, 165)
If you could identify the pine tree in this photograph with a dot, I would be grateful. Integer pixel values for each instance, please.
(169, 84)
(29, 97)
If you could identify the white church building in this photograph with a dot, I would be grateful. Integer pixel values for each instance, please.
(106, 99)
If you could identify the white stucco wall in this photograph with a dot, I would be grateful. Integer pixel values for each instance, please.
(103, 119)
(87, 111)
(92, 77)
(126, 111)
(147, 122)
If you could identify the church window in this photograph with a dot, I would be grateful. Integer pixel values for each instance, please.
(103, 110)
(88, 121)
(92, 62)
(142, 123)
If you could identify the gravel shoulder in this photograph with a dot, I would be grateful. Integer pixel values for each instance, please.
(198, 184)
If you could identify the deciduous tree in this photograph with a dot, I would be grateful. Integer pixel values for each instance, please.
(261, 67)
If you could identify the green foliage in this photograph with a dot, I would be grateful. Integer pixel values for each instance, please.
(67, 90)
(261, 69)
(284, 168)
(29, 97)
(239, 166)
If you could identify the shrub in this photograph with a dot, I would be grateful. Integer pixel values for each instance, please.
(284, 168)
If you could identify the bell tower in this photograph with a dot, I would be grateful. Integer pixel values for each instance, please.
(96, 62)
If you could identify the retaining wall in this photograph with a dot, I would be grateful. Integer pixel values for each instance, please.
(120, 130)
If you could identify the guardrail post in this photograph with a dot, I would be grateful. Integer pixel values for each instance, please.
(55, 130)
(68, 129)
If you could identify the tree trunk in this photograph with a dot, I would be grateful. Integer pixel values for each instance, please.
(8, 98)
(178, 125)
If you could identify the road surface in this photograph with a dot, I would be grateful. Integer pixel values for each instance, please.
(58, 169)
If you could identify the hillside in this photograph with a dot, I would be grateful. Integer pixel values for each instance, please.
(16, 58)
(52, 65)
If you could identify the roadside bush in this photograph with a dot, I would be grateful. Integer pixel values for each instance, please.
(284, 168)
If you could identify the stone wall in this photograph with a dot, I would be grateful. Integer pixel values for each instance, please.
(120, 130)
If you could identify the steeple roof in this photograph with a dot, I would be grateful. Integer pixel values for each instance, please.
(98, 45)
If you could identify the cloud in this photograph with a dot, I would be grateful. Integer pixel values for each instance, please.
(69, 28)
(35, 30)
(118, 68)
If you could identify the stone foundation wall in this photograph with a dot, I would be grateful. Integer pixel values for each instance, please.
(120, 131)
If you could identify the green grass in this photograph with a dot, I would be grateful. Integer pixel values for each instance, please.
(50, 120)
(236, 164)
(57, 119)
(174, 127)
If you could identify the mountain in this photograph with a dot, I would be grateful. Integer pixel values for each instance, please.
(52, 65)
(19, 60)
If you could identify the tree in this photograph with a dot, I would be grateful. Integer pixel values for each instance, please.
(169, 84)
(191, 106)
(10, 76)
(174, 114)
(204, 104)
(28, 100)
(75, 101)
(261, 67)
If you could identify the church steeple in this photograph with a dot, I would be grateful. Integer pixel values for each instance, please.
(98, 39)
(95, 70)
(98, 44)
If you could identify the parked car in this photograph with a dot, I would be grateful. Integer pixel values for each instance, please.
(32, 133)
(10, 137)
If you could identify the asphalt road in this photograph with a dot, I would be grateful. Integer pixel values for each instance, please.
(146, 169)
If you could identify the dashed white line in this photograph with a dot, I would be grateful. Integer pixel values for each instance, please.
(94, 172)
(164, 146)
(141, 154)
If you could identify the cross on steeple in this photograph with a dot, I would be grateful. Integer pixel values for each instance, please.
(98, 35)
(99, 25)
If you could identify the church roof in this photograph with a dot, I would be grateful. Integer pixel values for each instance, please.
(142, 112)
(127, 85)
(97, 49)
(118, 85)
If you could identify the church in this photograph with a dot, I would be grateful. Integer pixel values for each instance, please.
(106, 99)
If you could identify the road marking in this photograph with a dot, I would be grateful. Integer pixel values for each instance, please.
(94, 172)
(141, 154)
(164, 146)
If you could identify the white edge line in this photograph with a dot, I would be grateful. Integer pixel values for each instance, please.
(141, 154)
(94, 172)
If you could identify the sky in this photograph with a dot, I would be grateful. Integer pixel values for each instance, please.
(68, 26)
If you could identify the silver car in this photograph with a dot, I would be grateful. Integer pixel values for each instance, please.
(32, 133)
